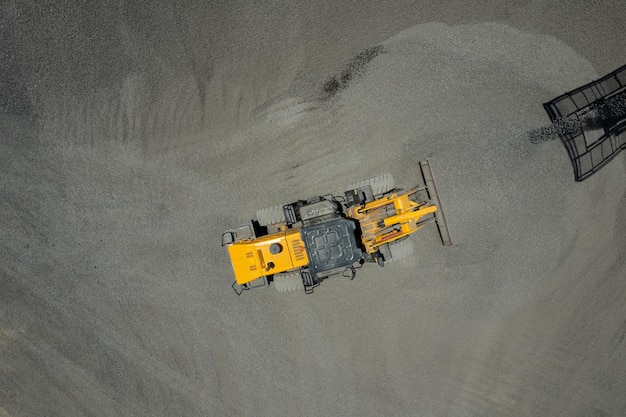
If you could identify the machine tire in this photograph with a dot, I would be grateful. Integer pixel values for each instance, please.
(380, 185)
(288, 281)
(400, 249)
(270, 215)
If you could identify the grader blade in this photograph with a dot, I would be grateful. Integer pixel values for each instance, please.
(433, 194)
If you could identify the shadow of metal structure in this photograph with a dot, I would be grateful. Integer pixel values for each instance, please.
(599, 110)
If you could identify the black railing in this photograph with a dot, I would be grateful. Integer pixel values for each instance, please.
(598, 110)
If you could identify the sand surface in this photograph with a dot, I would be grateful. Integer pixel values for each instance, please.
(133, 134)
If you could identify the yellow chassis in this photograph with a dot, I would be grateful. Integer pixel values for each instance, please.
(361, 231)
(381, 221)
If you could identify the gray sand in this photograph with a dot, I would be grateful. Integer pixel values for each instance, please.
(132, 137)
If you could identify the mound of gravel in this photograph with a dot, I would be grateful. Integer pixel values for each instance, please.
(115, 289)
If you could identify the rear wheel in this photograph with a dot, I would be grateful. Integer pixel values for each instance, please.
(401, 249)
(288, 281)
(270, 215)
(380, 185)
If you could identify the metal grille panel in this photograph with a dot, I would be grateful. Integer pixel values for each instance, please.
(590, 148)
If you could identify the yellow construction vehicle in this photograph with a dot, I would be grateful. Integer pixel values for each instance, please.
(298, 245)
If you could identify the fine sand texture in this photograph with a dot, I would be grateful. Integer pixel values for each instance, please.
(132, 134)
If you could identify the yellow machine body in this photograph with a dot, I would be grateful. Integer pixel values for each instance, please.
(254, 258)
(298, 245)
(381, 221)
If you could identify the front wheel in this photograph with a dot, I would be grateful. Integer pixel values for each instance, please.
(380, 185)
(401, 249)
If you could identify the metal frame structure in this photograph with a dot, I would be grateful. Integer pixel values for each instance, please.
(591, 146)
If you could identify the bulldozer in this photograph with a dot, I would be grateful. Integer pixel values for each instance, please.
(296, 246)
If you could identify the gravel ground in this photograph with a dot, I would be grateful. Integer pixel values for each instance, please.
(133, 135)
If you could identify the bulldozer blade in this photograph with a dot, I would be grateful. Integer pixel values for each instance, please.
(433, 195)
